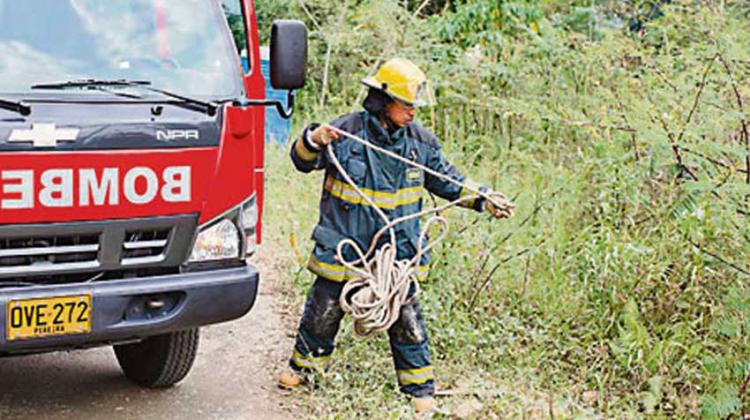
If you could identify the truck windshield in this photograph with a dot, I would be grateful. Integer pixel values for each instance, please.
(180, 45)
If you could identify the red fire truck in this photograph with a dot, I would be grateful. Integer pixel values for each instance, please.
(131, 174)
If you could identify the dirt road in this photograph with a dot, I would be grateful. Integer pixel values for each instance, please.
(233, 376)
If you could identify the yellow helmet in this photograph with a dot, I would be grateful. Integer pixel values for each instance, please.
(400, 79)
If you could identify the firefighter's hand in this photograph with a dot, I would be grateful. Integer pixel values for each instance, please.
(499, 206)
(323, 136)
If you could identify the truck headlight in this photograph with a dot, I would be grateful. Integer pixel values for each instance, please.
(234, 236)
(249, 223)
(219, 242)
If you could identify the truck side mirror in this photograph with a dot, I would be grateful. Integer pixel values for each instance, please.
(288, 54)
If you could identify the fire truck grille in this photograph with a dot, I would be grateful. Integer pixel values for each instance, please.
(143, 246)
(55, 252)
(38, 254)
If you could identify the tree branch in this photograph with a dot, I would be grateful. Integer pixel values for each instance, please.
(742, 392)
(329, 50)
(494, 269)
(676, 150)
(719, 258)
(664, 78)
(621, 107)
(309, 15)
(701, 88)
(675, 141)
(714, 161)
(526, 220)
(745, 133)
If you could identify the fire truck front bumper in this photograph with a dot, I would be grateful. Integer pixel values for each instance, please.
(56, 317)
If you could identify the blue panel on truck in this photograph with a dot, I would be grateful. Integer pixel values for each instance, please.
(277, 128)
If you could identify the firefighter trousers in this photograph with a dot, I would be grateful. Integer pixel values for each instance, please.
(408, 339)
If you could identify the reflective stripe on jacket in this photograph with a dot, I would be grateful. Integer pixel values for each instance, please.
(393, 186)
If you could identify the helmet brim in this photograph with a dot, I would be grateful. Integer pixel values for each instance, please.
(371, 82)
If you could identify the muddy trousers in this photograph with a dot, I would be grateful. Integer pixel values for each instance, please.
(408, 338)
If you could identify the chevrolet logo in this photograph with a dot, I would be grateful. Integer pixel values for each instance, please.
(43, 135)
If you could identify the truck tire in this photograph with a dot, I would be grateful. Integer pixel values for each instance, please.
(159, 361)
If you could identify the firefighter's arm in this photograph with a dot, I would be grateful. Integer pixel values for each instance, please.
(307, 151)
(448, 190)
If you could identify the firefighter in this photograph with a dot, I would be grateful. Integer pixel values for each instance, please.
(387, 121)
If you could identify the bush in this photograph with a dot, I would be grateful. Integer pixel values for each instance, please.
(624, 273)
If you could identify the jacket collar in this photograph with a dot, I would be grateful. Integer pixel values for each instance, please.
(380, 134)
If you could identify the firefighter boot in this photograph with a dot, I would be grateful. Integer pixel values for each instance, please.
(289, 379)
(424, 405)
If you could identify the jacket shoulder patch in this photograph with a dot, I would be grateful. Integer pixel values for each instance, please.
(413, 175)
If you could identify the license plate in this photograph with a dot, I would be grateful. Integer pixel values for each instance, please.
(37, 318)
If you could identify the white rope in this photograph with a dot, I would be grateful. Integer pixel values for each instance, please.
(491, 197)
(374, 299)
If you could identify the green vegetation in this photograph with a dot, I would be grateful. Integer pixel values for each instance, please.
(621, 287)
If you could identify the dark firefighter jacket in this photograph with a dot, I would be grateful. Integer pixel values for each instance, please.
(395, 187)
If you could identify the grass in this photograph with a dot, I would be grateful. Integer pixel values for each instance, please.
(620, 288)
(361, 381)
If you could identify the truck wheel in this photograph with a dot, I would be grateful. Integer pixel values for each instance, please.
(159, 361)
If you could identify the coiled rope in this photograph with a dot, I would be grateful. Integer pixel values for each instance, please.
(374, 298)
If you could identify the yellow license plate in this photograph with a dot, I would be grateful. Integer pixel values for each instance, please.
(36, 318)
